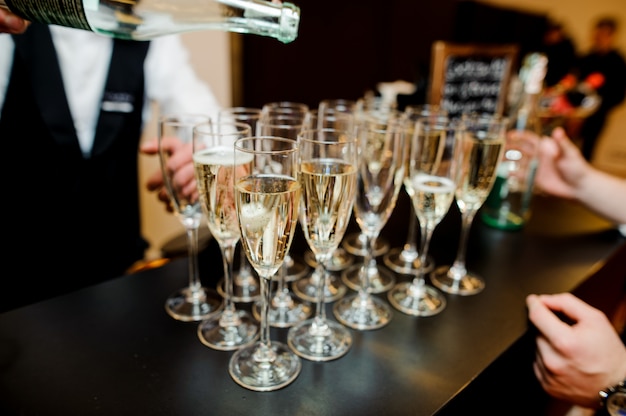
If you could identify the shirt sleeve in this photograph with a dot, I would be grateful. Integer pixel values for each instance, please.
(172, 83)
(6, 62)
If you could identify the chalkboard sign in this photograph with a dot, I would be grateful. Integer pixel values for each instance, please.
(469, 78)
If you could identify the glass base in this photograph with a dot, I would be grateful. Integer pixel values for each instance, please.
(355, 244)
(362, 313)
(285, 310)
(296, 270)
(400, 261)
(381, 280)
(249, 370)
(187, 306)
(424, 301)
(217, 334)
(319, 343)
(306, 288)
(465, 285)
(244, 291)
(340, 260)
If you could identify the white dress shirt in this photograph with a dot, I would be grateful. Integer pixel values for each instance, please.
(84, 60)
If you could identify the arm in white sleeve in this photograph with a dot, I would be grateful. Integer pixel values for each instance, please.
(172, 82)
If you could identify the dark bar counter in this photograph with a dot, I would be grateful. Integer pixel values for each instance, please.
(111, 349)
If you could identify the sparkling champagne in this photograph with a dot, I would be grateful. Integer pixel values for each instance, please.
(214, 169)
(432, 197)
(328, 191)
(478, 170)
(268, 213)
(431, 144)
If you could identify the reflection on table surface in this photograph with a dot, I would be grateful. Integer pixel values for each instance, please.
(112, 349)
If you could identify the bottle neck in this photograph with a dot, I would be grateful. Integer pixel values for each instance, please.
(152, 18)
(526, 114)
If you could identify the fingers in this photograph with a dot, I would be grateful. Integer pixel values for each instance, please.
(10, 23)
(150, 147)
(154, 181)
(549, 324)
(565, 145)
(548, 148)
(181, 158)
(184, 179)
(567, 304)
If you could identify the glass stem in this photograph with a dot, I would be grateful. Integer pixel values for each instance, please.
(364, 274)
(458, 267)
(192, 247)
(409, 252)
(244, 267)
(264, 351)
(229, 316)
(282, 275)
(320, 311)
(418, 281)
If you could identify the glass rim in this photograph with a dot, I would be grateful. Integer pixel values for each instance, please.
(238, 148)
(176, 116)
(211, 124)
(352, 138)
(240, 110)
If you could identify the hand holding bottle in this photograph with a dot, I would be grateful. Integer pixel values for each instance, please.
(564, 172)
(152, 18)
(11, 23)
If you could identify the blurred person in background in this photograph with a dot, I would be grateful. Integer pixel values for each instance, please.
(72, 109)
(604, 59)
(560, 51)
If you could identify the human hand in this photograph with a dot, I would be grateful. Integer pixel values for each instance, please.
(561, 166)
(11, 23)
(574, 362)
(180, 164)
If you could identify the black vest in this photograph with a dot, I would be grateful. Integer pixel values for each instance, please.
(73, 221)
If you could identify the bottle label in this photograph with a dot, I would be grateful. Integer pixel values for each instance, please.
(57, 12)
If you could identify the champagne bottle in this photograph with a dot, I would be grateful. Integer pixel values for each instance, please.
(147, 19)
(508, 205)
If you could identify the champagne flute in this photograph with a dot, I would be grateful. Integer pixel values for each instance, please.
(194, 302)
(285, 108)
(285, 309)
(246, 286)
(432, 169)
(215, 168)
(483, 145)
(326, 117)
(267, 196)
(381, 172)
(405, 259)
(357, 243)
(287, 113)
(328, 166)
(336, 114)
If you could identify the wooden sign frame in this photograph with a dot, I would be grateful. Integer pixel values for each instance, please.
(443, 51)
